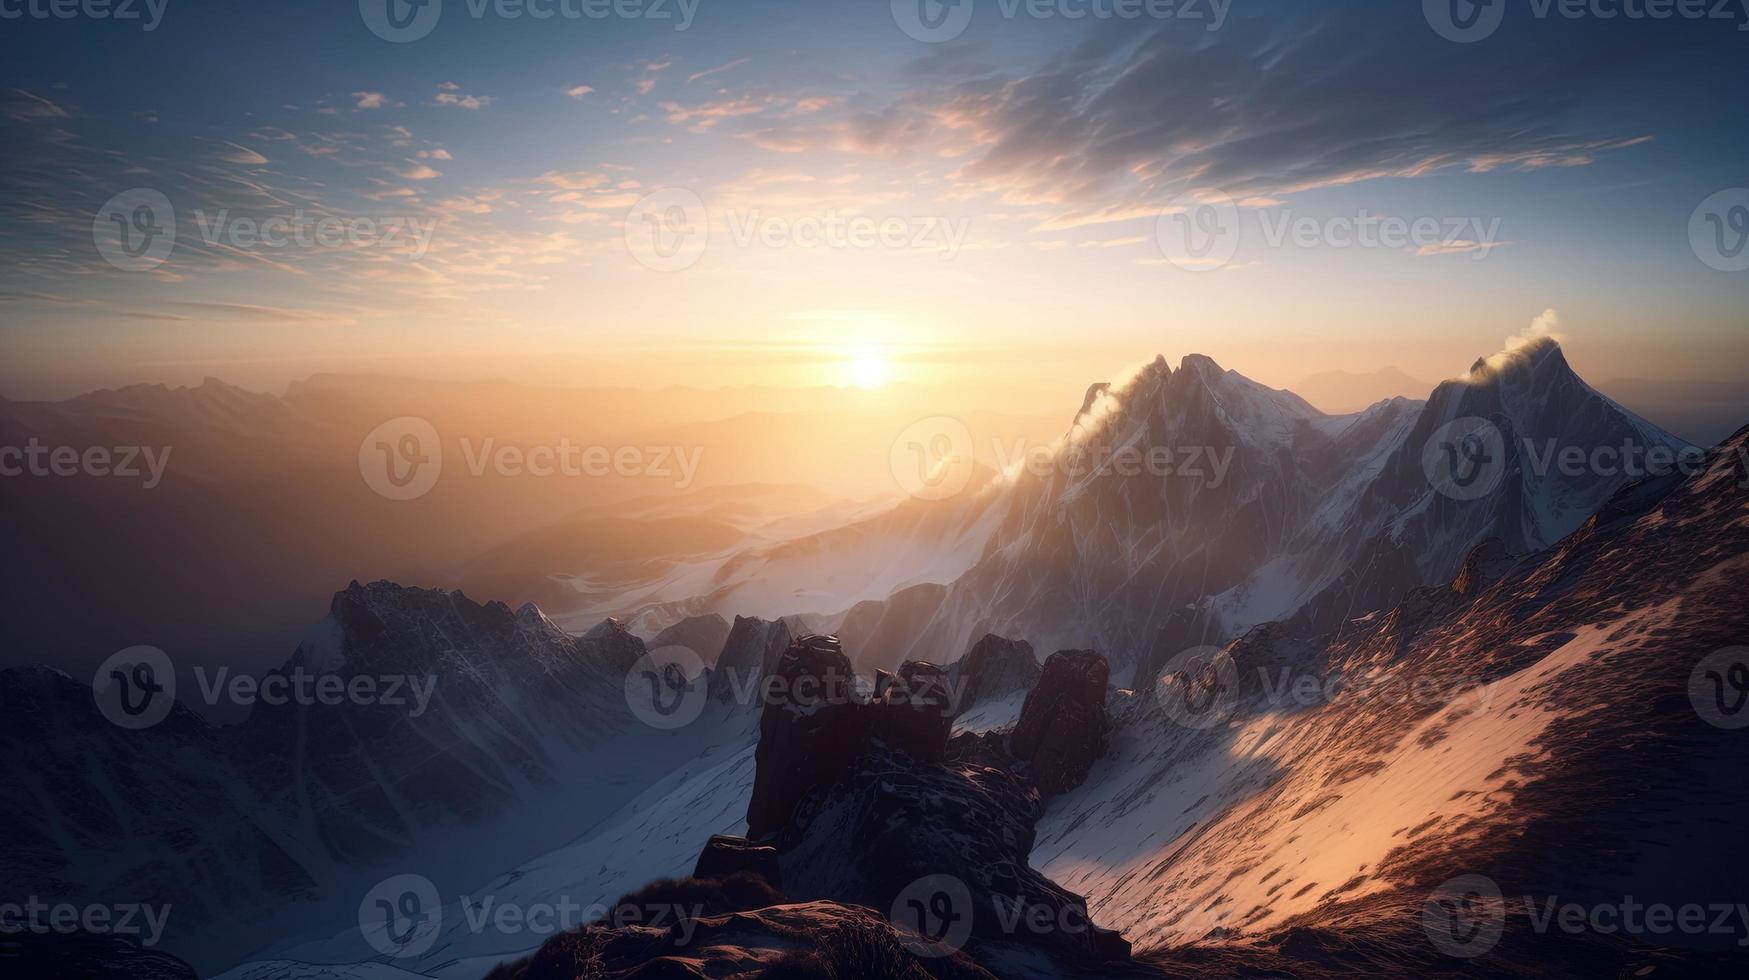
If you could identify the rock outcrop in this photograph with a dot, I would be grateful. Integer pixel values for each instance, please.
(1062, 727)
(994, 667)
(724, 856)
(811, 726)
(913, 711)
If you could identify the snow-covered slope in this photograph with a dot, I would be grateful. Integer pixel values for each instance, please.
(253, 829)
(1534, 722)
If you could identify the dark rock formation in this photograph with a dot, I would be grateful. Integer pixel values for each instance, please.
(724, 856)
(994, 667)
(891, 822)
(749, 656)
(815, 722)
(913, 711)
(1062, 726)
(810, 728)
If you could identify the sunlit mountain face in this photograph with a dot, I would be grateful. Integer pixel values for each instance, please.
(562, 489)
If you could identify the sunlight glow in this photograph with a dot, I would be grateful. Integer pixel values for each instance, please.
(869, 368)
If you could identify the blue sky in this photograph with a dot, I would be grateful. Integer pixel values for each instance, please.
(1031, 162)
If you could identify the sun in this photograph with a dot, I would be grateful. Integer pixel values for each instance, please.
(869, 368)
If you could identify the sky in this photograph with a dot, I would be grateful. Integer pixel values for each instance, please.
(995, 196)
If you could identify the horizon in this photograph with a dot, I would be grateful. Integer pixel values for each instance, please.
(1703, 408)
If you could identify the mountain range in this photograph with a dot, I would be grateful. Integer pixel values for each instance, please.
(1350, 658)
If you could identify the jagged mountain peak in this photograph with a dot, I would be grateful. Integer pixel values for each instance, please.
(1200, 365)
(1539, 359)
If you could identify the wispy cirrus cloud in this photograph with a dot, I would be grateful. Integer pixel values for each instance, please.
(1112, 127)
(695, 76)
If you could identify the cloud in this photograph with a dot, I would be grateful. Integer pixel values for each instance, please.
(1545, 326)
(241, 155)
(706, 115)
(369, 100)
(463, 101)
(580, 180)
(25, 105)
(695, 76)
(1459, 246)
(415, 171)
(438, 154)
(579, 91)
(1267, 107)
